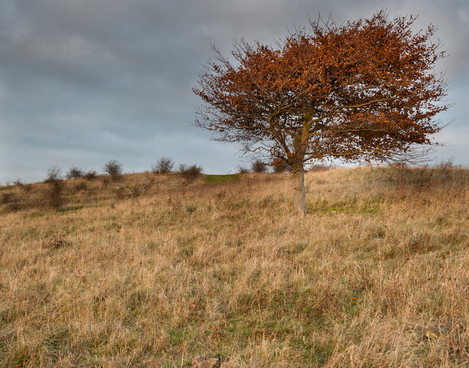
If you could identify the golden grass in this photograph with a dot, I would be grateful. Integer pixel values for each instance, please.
(150, 272)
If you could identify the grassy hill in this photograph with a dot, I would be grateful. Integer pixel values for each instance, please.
(150, 271)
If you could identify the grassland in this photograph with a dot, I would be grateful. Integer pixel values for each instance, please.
(150, 271)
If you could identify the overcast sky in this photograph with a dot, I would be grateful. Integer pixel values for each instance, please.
(86, 81)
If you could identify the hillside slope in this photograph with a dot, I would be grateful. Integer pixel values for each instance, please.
(150, 271)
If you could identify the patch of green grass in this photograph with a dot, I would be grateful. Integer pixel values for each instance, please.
(211, 179)
(176, 335)
(55, 341)
(34, 215)
(191, 208)
(19, 358)
(6, 187)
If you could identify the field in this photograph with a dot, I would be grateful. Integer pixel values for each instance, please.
(151, 271)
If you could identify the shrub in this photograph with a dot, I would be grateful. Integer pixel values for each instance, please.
(55, 194)
(12, 207)
(318, 167)
(242, 170)
(190, 173)
(56, 186)
(6, 198)
(114, 169)
(54, 173)
(136, 191)
(162, 166)
(258, 166)
(280, 166)
(90, 175)
(75, 173)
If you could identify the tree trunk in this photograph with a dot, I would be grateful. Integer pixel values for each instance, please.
(299, 190)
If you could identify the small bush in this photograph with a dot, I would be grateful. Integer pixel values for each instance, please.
(242, 170)
(54, 194)
(12, 207)
(280, 166)
(114, 169)
(318, 167)
(56, 185)
(53, 174)
(162, 166)
(136, 191)
(75, 173)
(90, 174)
(190, 173)
(6, 198)
(258, 166)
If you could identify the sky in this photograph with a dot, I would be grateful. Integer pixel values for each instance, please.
(83, 82)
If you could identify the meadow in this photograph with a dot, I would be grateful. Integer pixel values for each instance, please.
(152, 271)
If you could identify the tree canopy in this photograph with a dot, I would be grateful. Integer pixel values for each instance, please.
(366, 89)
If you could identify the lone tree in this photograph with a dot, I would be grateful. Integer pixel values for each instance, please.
(366, 90)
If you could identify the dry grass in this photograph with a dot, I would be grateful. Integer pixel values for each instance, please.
(151, 272)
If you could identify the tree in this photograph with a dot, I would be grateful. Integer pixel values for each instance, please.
(365, 90)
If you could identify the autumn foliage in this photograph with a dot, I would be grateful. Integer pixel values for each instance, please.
(362, 90)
